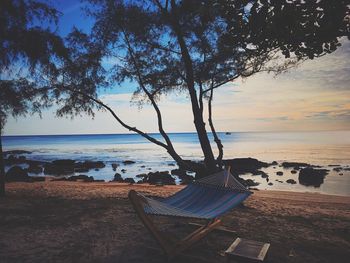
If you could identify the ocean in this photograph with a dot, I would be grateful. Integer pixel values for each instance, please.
(326, 148)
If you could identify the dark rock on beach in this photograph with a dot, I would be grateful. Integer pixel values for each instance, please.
(35, 169)
(250, 183)
(129, 180)
(11, 160)
(123, 170)
(291, 181)
(18, 174)
(89, 165)
(160, 177)
(312, 177)
(245, 165)
(118, 178)
(59, 167)
(115, 166)
(127, 162)
(178, 172)
(141, 176)
(80, 178)
(67, 166)
(261, 173)
(279, 173)
(293, 172)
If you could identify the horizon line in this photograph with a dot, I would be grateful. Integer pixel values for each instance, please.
(157, 133)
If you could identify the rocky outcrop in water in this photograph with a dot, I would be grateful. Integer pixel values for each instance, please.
(18, 174)
(159, 178)
(245, 165)
(67, 166)
(312, 177)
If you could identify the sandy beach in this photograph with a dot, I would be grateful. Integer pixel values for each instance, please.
(95, 222)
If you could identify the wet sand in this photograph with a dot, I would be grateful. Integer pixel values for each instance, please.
(95, 222)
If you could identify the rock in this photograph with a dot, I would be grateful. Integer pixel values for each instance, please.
(127, 162)
(129, 180)
(35, 169)
(338, 169)
(115, 166)
(245, 165)
(64, 162)
(11, 160)
(123, 170)
(118, 178)
(143, 166)
(341, 174)
(141, 175)
(178, 172)
(59, 167)
(81, 177)
(333, 165)
(279, 173)
(294, 165)
(263, 174)
(291, 181)
(270, 184)
(312, 177)
(274, 163)
(88, 165)
(163, 177)
(293, 172)
(81, 170)
(250, 182)
(171, 164)
(17, 174)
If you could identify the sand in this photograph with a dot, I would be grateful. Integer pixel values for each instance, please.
(95, 222)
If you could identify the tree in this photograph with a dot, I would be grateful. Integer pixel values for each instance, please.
(195, 47)
(29, 53)
(192, 47)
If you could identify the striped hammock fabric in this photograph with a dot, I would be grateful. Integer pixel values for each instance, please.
(207, 198)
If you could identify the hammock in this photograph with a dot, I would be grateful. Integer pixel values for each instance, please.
(207, 198)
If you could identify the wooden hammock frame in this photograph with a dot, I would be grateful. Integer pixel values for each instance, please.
(169, 249)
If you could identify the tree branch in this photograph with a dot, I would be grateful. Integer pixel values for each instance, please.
(170, 148)
(134, 129)
(216, 137)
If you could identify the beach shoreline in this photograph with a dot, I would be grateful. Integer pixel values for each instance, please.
(95, 222)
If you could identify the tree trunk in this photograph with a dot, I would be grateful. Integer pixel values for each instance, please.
(2, 171)
(209, 158)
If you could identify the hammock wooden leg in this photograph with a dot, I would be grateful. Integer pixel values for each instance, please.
(136, 201)
(194, 237)
(183, 244)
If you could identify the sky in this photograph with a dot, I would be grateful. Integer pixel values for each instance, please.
(313, 96)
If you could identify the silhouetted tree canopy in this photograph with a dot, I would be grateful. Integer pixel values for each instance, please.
(29, 52)
(197, 46)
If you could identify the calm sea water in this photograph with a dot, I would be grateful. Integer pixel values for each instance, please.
(318, 148)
